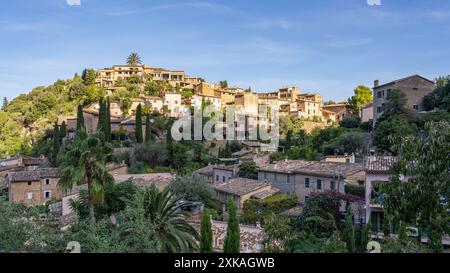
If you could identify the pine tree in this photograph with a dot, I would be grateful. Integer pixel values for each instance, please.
(80, 119)
(108, 120)
(148, 130)
(138, 125)
(206, 236)
(233, 237)
(63, 130)
(348, 234)
(56, 145)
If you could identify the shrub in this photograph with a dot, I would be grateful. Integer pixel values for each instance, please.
(255, 209)
(355, 190)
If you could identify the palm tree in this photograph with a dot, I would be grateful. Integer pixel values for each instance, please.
(134, 59)
(164, 212)
(84, 160)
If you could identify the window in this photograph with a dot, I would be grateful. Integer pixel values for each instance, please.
(378, 109)
(415, 88)
(29, 183)
(265, 175)
(332, 185)
(379, 94)
(48, 194)
(416, 107)
(319, 184)
(307, 182)
(288, 180)
(47, 181)
(29, 195)
(223, 178)
(217, 178)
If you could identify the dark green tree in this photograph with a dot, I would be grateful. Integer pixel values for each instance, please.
(348, 234)
(148, 130)
(248, 170)
(288, 140)
(63, 130)
(56, 145)
(223, 84)
(232, 240)
(206, 236)
(169, 143)
(89, 76)
(102, 126)
(108, 120)
(138, 125)
(80, 118)
(397, 120)
(5, 103)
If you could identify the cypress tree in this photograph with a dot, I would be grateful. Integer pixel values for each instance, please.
(80, 118)
(348, 234)
(364, 238)
(108, 120)
(63, 130)
(5, 103)
(103, 120)
(169, 143)
(138, 125)
(227, 152)
(288, 140)
(232, 242)
(148, 130)
(56, 144)
(100, 125)
(206, 236)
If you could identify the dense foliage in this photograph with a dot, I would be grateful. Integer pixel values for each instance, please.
(256, 209)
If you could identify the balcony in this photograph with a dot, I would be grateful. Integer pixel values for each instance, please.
(376, 196)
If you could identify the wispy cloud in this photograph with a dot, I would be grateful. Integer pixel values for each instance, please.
(274, 23)
(349, 42)
(438, 15)
(195, 5)
(15, 26)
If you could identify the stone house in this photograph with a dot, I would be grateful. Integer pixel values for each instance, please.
(33, 188)
(242, 189)
(366, 112)
(302, 178)
(414, 87)
(224, 173)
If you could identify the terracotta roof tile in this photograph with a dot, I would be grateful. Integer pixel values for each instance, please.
(240, 186)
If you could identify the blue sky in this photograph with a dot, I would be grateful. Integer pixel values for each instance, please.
(326, 46)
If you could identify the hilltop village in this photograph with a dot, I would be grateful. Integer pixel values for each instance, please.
(90, 152)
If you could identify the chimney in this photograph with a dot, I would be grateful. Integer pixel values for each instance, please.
(376, 83)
